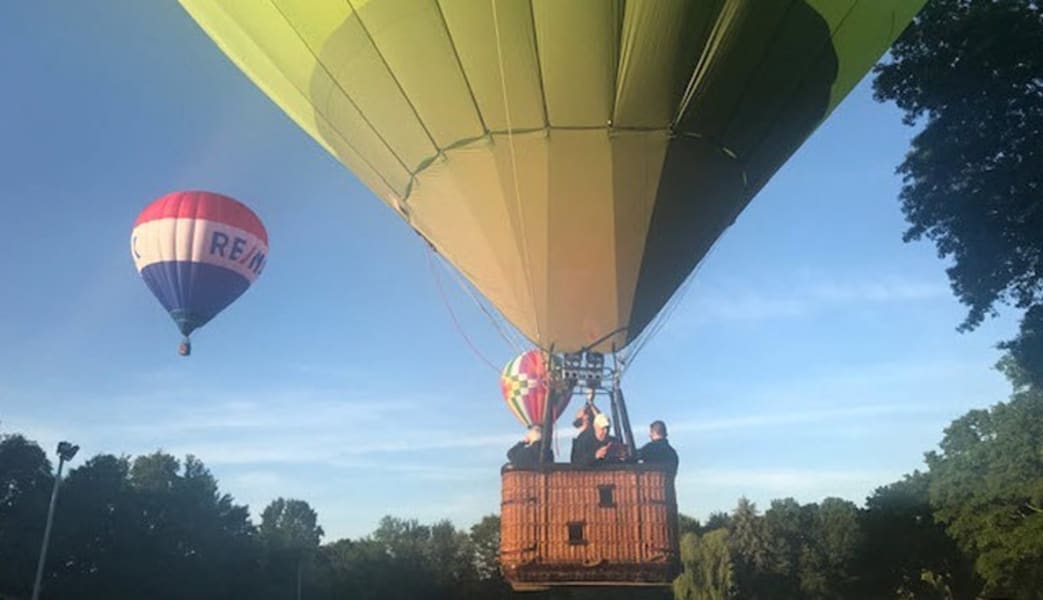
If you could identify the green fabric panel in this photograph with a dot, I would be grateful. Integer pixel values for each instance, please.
(700, 194)
(270, 51)
(363, 112)
(404, 30)
(868, 31)
(473, 33)
(790, 84)
(739, 43)
(659, 46)
(577, 42)
(834, 11)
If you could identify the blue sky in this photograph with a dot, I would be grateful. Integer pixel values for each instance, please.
(814, 353)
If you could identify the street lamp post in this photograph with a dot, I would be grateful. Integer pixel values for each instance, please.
(66, 451)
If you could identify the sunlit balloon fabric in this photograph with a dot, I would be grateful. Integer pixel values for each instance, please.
(198, 251)
(524, 384)
(574, 159)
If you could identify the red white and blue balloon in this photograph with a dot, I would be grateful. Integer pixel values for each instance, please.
(198, 251)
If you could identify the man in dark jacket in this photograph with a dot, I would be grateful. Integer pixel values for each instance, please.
(658, 451)
(526, 453)
(585, 423)
(600, 448)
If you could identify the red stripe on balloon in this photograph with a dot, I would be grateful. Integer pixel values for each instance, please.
(204, 205)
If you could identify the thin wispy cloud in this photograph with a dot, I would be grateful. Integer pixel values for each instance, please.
(705, 490)
(714, 303)
(793, 480)
(796, 416)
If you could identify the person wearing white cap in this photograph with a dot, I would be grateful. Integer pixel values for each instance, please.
(600, 447)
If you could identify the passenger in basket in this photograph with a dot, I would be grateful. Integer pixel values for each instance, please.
(584, 422)
(658, 451)
(601, 448)
(526, 453)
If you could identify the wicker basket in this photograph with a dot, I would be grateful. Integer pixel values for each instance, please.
(561, 525)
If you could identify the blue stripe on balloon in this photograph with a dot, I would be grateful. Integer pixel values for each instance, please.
(193, 292)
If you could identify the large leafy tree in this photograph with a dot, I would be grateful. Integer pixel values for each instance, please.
(153, 527)
(749, 549)
(25, 485)
(827, 560)
(906, 552)
(987, 488)
(971, 71)
(708, 572)
(291, 534)
(485, 550)
(787, 529)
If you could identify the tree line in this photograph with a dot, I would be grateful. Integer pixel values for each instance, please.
(970, 525)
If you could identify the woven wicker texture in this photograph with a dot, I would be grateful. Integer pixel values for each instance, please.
(561, 524)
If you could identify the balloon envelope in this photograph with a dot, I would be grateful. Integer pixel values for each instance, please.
(575, 160)
(198, 251)
(525, 387)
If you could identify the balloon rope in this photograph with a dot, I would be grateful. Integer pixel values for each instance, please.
(459, 329)
(514, 166)
(492, 318)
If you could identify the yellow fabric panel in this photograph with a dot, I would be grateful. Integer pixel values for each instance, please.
(460, 204)
(264, 46)
(473, 33)
(577, 42)
(527, 204)
(637, 164)
(466, 204)
(581, 277)
(578, 234)
(658, 49)
(411, 37)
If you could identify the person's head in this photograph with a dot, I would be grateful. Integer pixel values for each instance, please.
(534, 434)
(657, 430)
(601, 426)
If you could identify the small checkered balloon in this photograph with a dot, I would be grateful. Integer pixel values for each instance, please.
(525, 383)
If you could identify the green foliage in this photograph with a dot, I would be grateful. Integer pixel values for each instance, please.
(290, 525)
(987, 487)
(826, 560)
(906, 552)
(1023, 362)
(152, 528)
(708, 571)
(749, 549)
(686, 524)
(717, 520)
(25, 487)
(786, 527)
(972, 72)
